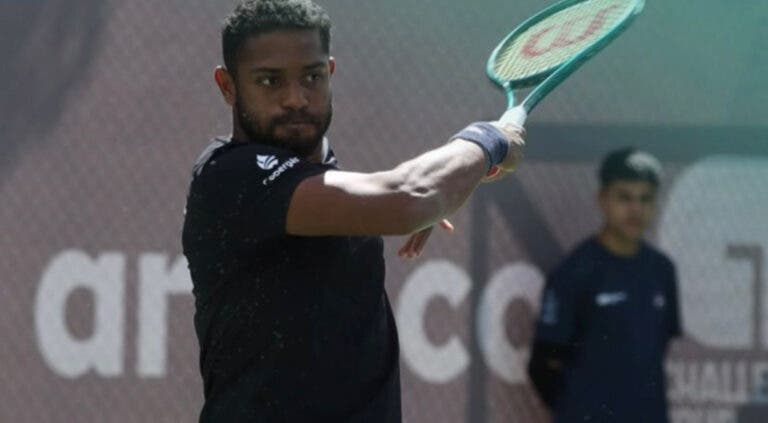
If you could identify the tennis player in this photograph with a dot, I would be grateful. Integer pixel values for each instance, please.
(284, 249)
(609, 310)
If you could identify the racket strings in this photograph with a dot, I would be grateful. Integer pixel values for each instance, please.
(559, 37)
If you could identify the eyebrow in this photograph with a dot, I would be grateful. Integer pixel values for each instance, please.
(265, 69)
(316, 65)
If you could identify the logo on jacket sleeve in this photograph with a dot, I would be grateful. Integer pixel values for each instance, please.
(280, 170)
(266, 162)
(549, 308)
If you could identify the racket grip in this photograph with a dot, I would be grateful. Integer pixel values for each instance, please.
(514, 116)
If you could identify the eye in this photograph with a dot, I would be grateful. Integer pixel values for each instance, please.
(267, 81)
(314, 77)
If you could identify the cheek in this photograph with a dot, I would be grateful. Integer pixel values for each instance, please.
(649, 210)
(254, 106)
(320, 98)
(253, 97)
(619, 212)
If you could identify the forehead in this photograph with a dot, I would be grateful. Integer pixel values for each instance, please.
(638, 187)
(282, 49)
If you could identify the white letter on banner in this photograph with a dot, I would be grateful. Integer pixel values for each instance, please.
(516, 281)
(157, 281)
(713, 225)
(104, 278)
(436, 278)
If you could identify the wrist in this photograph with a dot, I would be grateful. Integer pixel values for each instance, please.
(489, 138)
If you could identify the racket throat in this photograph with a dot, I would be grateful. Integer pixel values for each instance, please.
(510, 95)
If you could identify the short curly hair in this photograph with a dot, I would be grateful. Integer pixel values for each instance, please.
(256, 17)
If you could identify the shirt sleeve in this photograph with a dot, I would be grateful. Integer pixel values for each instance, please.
(254, 188)
(557, 317)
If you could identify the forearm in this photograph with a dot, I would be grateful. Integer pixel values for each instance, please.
(439, 181)
(412, 196)
(546, 370)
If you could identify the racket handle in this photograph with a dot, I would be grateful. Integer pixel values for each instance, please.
(514, 116)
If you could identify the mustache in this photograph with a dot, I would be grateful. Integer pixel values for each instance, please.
(296, 117)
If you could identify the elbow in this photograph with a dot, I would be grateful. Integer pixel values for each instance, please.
(418, 213)
(418, 208)
(419, 201)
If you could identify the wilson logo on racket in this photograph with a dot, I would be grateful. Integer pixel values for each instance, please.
(266, 162)
(550, 46)
(565, 35)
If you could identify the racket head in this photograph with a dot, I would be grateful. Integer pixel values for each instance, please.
(565, 34)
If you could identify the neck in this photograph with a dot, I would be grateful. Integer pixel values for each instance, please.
(239, 135)
(618, 244)
(318, 155)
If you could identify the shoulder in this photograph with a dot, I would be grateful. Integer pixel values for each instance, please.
(662, 266)
(251, 157)
(249, 163)
(582, 258)
(658, 257)
(578, 265)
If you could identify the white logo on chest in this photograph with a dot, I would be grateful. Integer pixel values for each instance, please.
(604, 299)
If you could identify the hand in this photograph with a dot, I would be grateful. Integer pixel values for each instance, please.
(417, 241)
(511, 124)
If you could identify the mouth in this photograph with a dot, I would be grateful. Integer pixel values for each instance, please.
(296, 123)
(297, 127)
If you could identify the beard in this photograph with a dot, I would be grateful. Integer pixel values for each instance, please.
(302, 146)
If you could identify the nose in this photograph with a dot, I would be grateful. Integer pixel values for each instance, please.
(295, 97)
(637, 205)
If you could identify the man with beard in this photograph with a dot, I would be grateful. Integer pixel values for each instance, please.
(284, 249)
(610, 309)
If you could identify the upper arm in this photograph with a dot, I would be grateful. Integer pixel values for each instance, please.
(350, 203)
(258, 193)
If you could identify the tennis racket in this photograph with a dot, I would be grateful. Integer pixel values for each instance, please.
(547, 48)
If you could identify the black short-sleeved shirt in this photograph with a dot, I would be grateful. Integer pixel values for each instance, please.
(291, 329)
(618, 314)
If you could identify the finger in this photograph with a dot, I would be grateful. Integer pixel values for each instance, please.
(420, 241)
(406, 248)
(409, 250)
(500, 174)
(493, 172)
(447, 225)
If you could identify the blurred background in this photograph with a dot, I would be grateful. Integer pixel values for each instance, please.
(106, 104)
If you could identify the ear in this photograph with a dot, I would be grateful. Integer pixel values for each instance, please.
(331, 65)
(226, 84)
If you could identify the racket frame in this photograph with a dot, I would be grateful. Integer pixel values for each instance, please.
(550, 78)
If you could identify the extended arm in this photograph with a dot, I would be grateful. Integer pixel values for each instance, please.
(414, 195)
